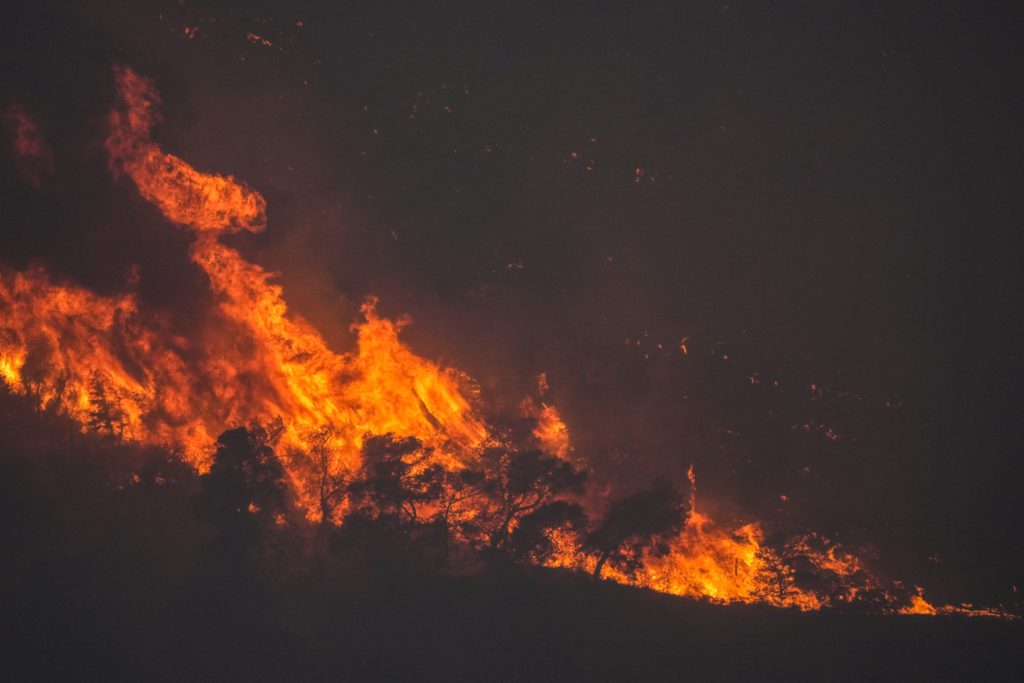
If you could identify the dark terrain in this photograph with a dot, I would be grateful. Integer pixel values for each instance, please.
(820, 199)
(104, 580)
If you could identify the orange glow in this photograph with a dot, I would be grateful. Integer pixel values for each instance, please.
(88, 355)
(32, 152)
(126, 372)
(551, 432)
(93, 358)
(720, 564)
(285, 364)
(183, 194)
(731, 564)
(918, 605)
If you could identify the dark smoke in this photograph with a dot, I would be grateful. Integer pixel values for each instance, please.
(832, 204)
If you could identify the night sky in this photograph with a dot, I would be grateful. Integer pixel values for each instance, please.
(822, 198)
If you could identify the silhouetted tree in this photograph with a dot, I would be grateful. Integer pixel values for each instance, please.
(454, 513)
(815, 564)
(330, 485)
(521, 482)
(394, 481)
(244, 492)
(635, 522)
(104, 413)
(775, 576)
(37, 367)
(532, 537)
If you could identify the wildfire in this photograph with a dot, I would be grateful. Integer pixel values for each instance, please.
(127, 372)
(184, 195)
(551, 432)
(919, 605)
(708, 561)
(292, 374)
(110, 367)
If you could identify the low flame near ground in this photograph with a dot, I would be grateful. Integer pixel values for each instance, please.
(118, 369)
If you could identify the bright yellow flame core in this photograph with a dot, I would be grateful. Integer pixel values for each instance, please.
(106, 364)
(703, 561)
(99, 360)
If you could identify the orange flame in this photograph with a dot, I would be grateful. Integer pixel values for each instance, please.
(383, 387)
(551, 431)
(103, 363)
(115, 368)
(724, 565)
(183, 194)
(919, 605)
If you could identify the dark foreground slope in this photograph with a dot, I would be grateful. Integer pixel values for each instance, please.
(495, 627)
(106, 574)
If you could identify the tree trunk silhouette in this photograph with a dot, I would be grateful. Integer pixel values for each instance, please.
(600, 564)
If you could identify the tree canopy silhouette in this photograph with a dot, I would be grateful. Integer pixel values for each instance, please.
(244, 491)
(331, 486)
(394, 481)
(532, 537)
(522, 483)
(634, 523)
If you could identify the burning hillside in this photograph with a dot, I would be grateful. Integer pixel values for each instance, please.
(340, 423)
(103, 362)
